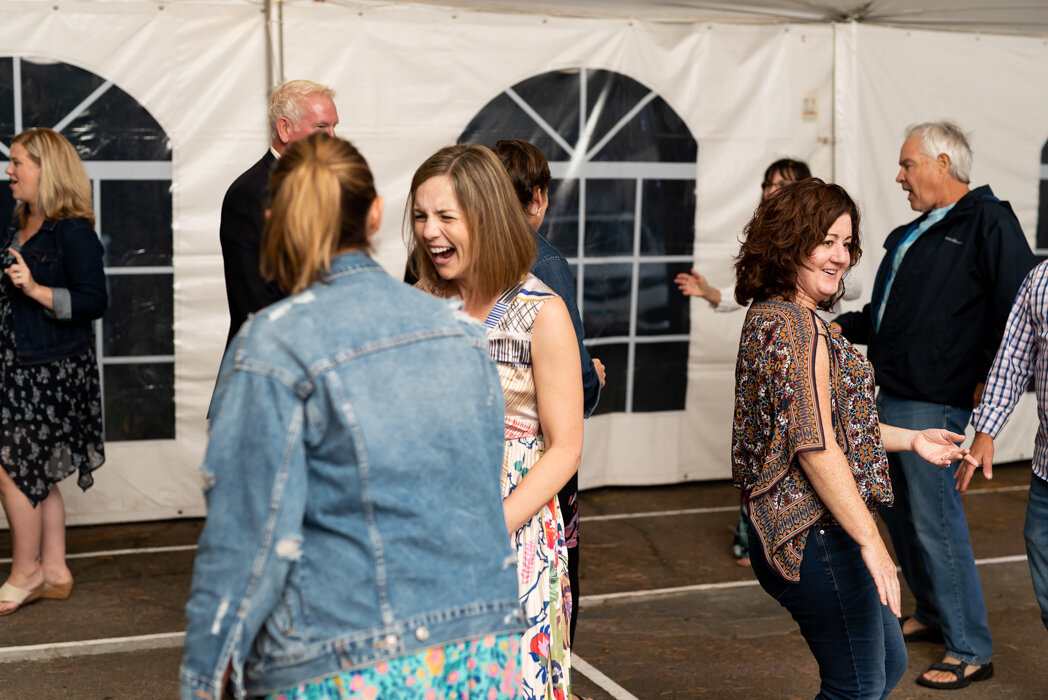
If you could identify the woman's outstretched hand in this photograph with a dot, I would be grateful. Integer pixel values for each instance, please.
(938, 446)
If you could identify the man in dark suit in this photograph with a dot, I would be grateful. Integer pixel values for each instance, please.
(296, 109)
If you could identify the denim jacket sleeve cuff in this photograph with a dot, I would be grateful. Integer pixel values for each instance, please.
(63, 303)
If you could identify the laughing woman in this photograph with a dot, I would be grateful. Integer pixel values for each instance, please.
(471, 241)
(53, 288)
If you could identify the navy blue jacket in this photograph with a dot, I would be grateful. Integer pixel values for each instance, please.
(948, 304)
(63, 255)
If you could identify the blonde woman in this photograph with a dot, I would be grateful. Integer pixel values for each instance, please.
(471, 242)
(52, 288)
(342, 553)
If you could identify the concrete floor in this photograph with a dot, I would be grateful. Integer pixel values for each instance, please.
(666, 613)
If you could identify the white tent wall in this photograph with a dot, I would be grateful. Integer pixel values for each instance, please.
(409, 78)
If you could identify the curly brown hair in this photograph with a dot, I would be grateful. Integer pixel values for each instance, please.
(782, 235)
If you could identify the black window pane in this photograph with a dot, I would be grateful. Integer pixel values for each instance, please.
(655, 134)
(610, 213)
(606, 299)
(502, 118)
(613, 395)
(136, 222)
(116, 127)
(668, 217)
(609, 97)
(661, 308)
(7, 206)
(7, 100)
(555, 97)
(50, 91)
(561, 225)
(139, 401)
(660, 373)
(140, 318)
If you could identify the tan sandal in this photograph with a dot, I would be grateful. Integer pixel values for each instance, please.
(59, 592)
(10, 593)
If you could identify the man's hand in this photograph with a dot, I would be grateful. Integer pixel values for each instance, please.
(982, 451)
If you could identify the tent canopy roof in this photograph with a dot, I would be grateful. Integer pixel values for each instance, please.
(988, 16)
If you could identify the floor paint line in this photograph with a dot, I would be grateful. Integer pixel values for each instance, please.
(111, 645)
(996, 489)
(727, 509)
(656, 592)
(659, 513)
(587, 518)
(606, 684)
(124, 552)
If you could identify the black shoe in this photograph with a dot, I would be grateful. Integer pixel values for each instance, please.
(961, 681)
(928, 634)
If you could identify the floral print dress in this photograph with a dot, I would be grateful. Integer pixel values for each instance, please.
(50, 413)
(542, 554)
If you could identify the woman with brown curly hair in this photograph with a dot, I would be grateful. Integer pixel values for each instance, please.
(807, 446)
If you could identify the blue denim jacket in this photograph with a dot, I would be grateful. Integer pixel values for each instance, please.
(552, 268)
(65, 255)
(352, 484)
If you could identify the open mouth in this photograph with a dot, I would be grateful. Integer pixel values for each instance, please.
(442, 254)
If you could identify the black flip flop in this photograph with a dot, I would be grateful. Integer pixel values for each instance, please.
(985, 671)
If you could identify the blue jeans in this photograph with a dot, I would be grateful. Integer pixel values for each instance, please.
(1036, 532)
(930, 534)
(856, 640)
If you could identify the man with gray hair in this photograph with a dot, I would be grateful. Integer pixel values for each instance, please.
(296, 109)
(940, 302)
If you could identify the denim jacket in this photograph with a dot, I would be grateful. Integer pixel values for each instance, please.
(352, 485)
(65, 255)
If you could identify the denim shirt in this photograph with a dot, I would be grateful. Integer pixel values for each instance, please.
(352, 485)
(551, 267)
(65, 255)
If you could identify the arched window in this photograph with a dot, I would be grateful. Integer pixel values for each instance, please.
(128, 159)
(622, 211)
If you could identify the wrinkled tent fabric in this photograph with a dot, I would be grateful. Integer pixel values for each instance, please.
(409, 77)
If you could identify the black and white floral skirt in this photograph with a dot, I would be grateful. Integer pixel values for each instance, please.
(50, 416)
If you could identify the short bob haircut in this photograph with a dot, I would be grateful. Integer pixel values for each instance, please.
(782, 235)
(502, 243)
(287, 101)
(65, 191)
(527, 168)
(320, 192)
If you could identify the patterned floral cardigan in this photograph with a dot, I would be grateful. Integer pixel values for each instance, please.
(777, 417)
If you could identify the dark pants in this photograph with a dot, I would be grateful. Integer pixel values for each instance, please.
(856, 640)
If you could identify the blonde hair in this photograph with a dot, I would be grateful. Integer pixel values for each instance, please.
(321, 191)
(287, 101)
(65, 191)
(502, 242)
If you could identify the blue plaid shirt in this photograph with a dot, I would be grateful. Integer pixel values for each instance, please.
(1023, 353)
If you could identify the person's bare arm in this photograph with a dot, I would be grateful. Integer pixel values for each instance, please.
(558, 388)
(831, 477)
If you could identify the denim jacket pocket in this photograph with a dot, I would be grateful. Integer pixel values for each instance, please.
(44, 265)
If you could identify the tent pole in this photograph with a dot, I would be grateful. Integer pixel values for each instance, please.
(274, 44)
